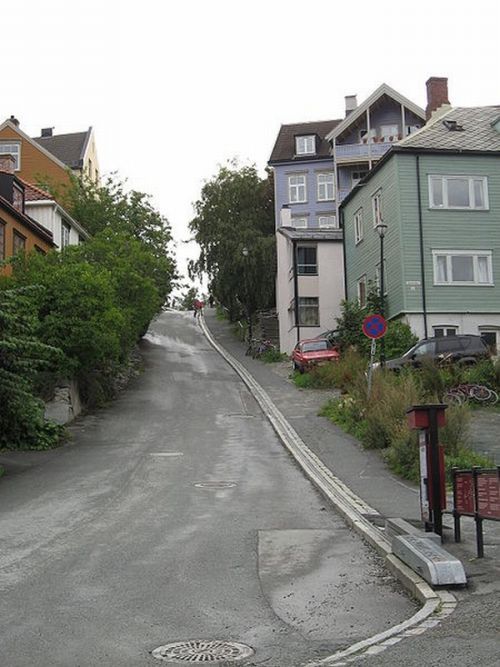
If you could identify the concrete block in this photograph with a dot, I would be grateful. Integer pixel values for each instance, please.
(395, 527)
(429, 560)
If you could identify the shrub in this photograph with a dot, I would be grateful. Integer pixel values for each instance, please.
(273, 356)
(398, 339)
(303, 380)
(454, 436)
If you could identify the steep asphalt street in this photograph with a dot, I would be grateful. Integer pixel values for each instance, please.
(175, 514)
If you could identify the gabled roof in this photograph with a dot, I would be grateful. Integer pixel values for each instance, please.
(34, 193)
(23, 135)
(384, 89)
(284, 148)
(477, 134)
(69, 148)
(25, 219)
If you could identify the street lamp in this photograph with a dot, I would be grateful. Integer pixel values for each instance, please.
(245, 252)
(381, 230)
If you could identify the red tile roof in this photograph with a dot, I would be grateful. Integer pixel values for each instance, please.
(34, 193)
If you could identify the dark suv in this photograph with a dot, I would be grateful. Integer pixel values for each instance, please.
(464, 349)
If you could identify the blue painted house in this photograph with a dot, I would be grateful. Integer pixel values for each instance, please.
(315, 166)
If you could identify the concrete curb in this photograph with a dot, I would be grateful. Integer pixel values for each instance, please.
(354, 511)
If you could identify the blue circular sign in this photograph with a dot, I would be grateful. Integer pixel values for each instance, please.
(374, 326)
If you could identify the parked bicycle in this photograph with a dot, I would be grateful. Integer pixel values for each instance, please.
(463, 393)
(257, 347)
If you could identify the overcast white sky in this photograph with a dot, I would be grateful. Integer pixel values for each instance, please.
(175, 88)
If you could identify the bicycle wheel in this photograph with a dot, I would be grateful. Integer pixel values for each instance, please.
(480, 393)
(454, 397)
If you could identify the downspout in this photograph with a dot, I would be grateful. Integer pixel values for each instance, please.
(296, 290)
(342, 227)
(421, 234)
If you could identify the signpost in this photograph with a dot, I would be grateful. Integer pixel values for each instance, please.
(374, 327)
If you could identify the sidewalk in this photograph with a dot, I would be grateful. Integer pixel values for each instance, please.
(363, 471)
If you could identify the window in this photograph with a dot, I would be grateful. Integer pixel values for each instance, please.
(297, 188)
(462, 267)
(309, 311)
(326, 189)
(362, 291)
(410, 129)
(358, 226)
(2, 240)
(441, 332)
(327, 221)
(490, 338)
(65, 232)
(367, 135)
(14, 150)
(18, 243)
(356, 176)
(39, 250)
(425, 349)
(305, 145)
(307, 263)
(17, 198)
(377, 208)
(299, 222)
(389, 132)
(462, 192)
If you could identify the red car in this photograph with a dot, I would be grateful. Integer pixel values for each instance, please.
(314, 351)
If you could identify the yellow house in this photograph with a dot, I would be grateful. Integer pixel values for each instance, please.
(49, 158)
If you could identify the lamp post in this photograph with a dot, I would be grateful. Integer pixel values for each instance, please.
(245, 252)
(381, 230)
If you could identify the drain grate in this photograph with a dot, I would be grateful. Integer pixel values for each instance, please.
(200, 650)
(215, 485)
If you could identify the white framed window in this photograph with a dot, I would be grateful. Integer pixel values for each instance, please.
(65, 232)
(13, 149)
(410, 129)
(299, 221)
(328, 221)
(358, 226)
(309, 311)
(362, 291)
(367, 135)
(356, 176)
(377, 208)
(389, 132)
(462, 267)
(297, 188)
(307, 260)
(326, 187)
(305, 145)
(442, 331)
(458, 192)
(490, 337)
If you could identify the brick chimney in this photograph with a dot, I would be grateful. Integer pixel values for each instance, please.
(7, 163)
(437, 94)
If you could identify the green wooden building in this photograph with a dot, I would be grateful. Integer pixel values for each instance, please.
(436, 194)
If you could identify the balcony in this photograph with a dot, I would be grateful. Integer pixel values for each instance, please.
(361, 152)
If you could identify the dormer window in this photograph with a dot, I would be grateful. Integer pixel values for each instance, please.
(18, 198)
(305, 145)
(14, 150)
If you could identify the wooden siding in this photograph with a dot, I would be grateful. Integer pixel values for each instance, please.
(362, 259)
(11, 223)
(448, 230)
(35, 165)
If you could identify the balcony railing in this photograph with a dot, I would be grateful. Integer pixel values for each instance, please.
(367, 151)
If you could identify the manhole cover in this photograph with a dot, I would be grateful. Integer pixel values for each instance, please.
(215, 485)
(200, 650)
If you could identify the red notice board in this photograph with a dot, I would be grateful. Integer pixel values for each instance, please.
(488, 495)
(464, 489)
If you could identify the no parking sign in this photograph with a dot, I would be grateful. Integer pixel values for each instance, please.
(374, 326)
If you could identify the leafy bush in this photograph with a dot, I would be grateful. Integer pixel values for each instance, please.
(273, 356)
(22, 356)
(303, 380)
(398, 339)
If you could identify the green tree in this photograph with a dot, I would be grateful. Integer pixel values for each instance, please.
(234, 227)
(22, 357)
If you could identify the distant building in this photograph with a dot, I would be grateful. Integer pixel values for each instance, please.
(438, 192)
(46, 160)
(315, 166)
